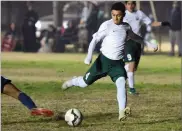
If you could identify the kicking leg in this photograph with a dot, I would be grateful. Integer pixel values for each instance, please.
(76, 81)
(11, 90)
(93, 74)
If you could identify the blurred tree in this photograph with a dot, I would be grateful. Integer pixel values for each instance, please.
(58, 12)
(6, 17)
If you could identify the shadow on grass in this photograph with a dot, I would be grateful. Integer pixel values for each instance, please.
(102, 119)
(95, 120)
(101, 116)
(57, 117)
(170, 120)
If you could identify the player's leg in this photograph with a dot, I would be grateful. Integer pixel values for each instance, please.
(75, 81)
(131, 78)
(179, 42)
(130, 59)
(122, 98)
(11, 90)
(90, 76)
(118, 76)
(172, 41)
(132, 67)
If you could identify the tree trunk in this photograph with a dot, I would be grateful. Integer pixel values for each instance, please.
(58, 13)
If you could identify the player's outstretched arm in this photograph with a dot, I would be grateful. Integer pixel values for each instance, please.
(157, 24)
(140, 40)
(146, 20)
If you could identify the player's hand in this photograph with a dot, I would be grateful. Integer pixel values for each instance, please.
(152, 44)
(165, 23)
(87, 61)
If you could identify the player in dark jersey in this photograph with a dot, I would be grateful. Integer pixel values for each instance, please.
(8, 88)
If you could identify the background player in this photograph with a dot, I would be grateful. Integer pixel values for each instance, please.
(135, 18)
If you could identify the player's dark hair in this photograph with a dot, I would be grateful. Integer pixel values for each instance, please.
(134, 2)
(118, 6)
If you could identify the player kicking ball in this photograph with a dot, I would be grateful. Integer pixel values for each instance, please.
(135, 18)
(113, 34)
(10, 89)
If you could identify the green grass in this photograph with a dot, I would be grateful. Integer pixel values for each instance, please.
(74, 66)
(158, 108)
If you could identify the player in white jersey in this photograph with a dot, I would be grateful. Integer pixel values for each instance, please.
(135, 18)
(113, 34)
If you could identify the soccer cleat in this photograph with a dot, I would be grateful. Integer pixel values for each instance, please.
(41, 112)
(133, 91)
(123, 114)
(67, 84)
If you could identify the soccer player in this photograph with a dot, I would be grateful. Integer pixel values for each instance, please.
(10, 89)
(113, 34)
(135, 18)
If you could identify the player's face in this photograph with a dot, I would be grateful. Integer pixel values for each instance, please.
(117, 16)
(130, 6)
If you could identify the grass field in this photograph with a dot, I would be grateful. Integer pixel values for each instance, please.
(157, 108)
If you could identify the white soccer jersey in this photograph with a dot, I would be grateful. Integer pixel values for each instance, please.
(113, 39)
(136, 19)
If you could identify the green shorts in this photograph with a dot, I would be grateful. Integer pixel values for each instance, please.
(103, 67)
(132, 52)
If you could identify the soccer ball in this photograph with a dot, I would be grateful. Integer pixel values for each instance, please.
(73, 117)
